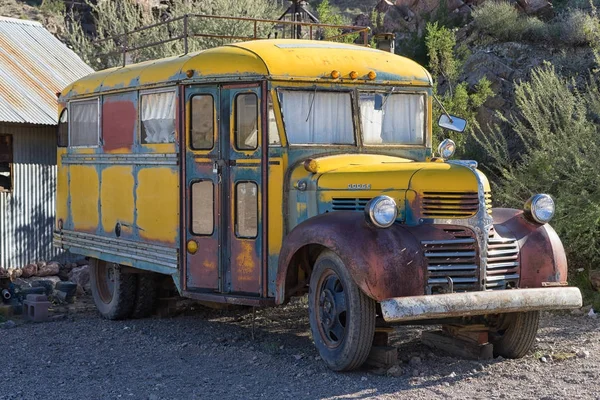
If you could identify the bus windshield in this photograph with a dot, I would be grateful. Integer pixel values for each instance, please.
(317, 117)
(392, 118)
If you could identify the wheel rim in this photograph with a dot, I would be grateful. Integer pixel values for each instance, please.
(332, 315)
(105, 280)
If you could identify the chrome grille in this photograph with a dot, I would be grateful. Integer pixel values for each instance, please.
(449, 205)
(488, 202)
(454, 258)
(341, 204)
(502, 262)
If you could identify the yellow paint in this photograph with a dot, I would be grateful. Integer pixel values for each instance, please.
(245, 261)
(158, 204)
(116, 197)
(84, 189)
(209, 265)
(275, 208)
(161, 148)
(192, 246)
(62, 187)
(282, 59)
(326, 164)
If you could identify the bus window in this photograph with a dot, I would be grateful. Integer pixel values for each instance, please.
(202, 208)
(202, 122)
(246, 210)
(62, 139)
(246, 121)
(158, 117)
(84, 123)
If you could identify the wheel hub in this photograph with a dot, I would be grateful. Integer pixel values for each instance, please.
(332, 310)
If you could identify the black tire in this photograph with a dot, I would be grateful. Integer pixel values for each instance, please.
(145, 295)
(514, 334)
(342, 317)
(113, 291)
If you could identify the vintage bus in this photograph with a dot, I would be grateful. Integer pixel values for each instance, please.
(257, 171)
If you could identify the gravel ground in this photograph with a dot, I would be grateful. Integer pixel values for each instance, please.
(208, 354)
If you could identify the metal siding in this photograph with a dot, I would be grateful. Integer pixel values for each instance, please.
(27, 213)
(34, 66)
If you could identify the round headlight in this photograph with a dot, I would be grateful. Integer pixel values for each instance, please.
(381, 211)
(540, 208)
(446, 149)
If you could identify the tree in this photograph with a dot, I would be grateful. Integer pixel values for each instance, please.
(115, 17)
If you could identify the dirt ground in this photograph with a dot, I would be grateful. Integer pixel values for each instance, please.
(210, 354)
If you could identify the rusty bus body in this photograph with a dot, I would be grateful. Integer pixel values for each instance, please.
(195, 167)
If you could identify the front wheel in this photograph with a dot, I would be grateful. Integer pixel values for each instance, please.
(113, 290)
(513, 334)
(342, 317)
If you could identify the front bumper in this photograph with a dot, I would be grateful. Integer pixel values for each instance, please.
(450, 305)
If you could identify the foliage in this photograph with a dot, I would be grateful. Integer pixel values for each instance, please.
(557, 126)
(113, 18)
(331, 16)
(446, 61)
(502, 21)
(53, 6)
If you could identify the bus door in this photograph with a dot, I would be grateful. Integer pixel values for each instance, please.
(223, 181)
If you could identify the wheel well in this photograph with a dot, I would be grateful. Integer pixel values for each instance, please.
(300, 269)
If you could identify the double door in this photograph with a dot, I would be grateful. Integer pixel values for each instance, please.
(223, 190)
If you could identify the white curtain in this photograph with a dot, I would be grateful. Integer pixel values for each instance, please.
(158, 117)
(84, 123)
(313, 117)
(393, 119)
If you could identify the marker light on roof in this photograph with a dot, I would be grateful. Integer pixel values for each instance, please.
(372, 75)
(335, 74)
(353, 75)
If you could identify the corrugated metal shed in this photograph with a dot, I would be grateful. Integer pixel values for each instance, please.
(34, 65)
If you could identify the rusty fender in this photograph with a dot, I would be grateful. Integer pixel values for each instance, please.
(384, 263)
(479, 303)
(542, 255)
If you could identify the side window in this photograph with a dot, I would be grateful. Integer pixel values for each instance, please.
(246, 210)
(6, 160)
(202, 122)
(202, 208)
(157, 113)
(62, 137)
(246, 121)
(273, 130)
(84, 123)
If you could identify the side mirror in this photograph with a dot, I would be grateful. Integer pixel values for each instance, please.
(453, 123)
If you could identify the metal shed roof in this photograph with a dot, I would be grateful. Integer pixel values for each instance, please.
(34, 66)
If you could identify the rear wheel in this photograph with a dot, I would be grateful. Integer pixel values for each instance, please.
(342, 317)
(513, 334)
(145, 295)
(113, 290)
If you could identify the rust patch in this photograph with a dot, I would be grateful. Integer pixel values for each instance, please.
(245, 266)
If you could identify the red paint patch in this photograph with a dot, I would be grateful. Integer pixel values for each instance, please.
(118, 124)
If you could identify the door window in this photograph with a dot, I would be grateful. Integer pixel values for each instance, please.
(246, 210)
(246, 121)
(202, 122)
(202, 208)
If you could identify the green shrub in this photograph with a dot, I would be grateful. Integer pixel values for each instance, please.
(557, 125)
(500, 19)
(575, 28)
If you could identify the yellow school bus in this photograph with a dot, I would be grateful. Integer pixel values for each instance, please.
(257, 171)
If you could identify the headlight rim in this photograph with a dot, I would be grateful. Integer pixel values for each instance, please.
(370, 208)
(530, 204)
(444, 144)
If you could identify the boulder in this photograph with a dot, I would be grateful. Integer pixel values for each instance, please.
(595, 279)
(49, 269)
(81, 276)
(14, 273)
(29, 270)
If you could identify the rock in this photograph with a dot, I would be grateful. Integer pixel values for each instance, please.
(49, 269)
(543, 359)
(3, 273)
(298, 357)
(29, 270)
(595, 279)
(592, 314)
(15, 273)
(69, 288)
(47, 282)
(396, 370)
(583, 354)
(81, 277)
(452, 375)
(8, 324)
(414, 361)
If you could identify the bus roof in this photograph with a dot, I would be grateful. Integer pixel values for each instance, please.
(278, 59)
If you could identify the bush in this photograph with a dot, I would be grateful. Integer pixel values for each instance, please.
(500, 19)
(557, 125)
(112, 18)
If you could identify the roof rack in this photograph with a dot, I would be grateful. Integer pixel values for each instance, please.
(261, 28)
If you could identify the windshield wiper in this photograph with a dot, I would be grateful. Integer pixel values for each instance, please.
(387, 96)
